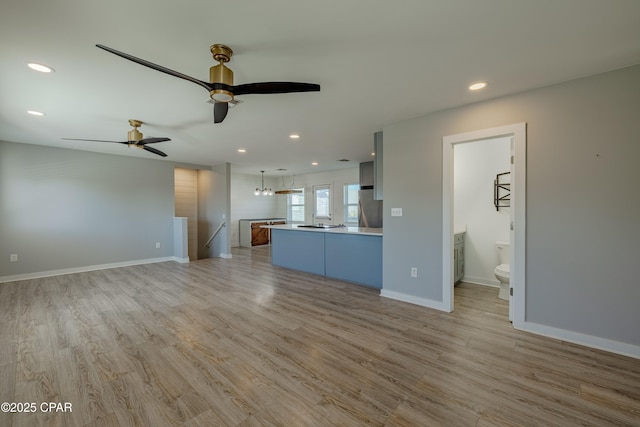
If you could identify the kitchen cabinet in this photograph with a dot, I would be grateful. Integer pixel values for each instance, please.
(366, 175)
(458, 257)
(349, 253)
(251, 233)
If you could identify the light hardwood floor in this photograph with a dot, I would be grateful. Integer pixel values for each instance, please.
(237, 342)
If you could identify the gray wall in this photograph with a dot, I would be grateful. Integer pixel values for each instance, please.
(582, 213)
(68, 209)
(213, 210)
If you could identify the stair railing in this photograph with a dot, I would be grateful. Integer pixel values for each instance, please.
(223, 224)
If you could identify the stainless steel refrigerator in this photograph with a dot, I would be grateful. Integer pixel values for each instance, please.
(370, 210)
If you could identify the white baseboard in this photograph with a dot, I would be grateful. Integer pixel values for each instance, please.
(181, 260)
(481, 281)
(424, 302)
(583, 339)
(40, 274)
(227, 256)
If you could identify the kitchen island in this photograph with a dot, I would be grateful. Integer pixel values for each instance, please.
(353, 254)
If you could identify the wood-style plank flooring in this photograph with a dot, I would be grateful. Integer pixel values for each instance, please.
(237, 342)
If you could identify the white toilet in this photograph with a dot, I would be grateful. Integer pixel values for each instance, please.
(502, 270)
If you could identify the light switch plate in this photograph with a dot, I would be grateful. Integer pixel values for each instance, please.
(396, 211)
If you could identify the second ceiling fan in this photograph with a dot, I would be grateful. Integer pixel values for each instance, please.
(221, 88)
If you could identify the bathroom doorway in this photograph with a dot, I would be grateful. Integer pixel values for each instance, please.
(517, 134)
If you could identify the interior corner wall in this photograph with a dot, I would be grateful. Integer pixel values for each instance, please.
(581, 213)
(69, 210)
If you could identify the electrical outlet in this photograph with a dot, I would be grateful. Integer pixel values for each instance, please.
(396, 211)
(157, 245)
(414, 272)
(13, 257)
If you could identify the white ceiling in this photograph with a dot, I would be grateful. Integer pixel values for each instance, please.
(377, 61)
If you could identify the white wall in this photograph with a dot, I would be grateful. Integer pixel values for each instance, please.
(582, 215)
(475, 167)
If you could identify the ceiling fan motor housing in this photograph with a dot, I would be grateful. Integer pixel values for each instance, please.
(220, 73)
(134, 135)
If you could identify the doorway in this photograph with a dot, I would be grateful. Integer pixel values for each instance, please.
(517, 132)
(322, 204)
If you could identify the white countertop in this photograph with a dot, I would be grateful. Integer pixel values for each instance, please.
(338, 230)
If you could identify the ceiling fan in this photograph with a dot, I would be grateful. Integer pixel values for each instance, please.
(221, 88)
(134, 139)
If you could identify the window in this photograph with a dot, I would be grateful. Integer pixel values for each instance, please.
(351, 203)
(295, 207)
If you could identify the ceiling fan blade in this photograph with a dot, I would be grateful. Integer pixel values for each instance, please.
(157, 67)
(220, 110)
(94, 140)
(274, 87)
(154, 151)
(152, 140)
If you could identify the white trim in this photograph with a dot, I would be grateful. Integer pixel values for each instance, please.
(480, 281)
(518, 199)
(604, 344)
(226, 256)
(40, 274)
(181, 260)
(424, 302)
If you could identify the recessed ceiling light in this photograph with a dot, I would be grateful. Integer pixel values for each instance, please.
(294, 136)
(40, 67)
(478, 86)
(35, 113)
(314, 163)
(241, 150)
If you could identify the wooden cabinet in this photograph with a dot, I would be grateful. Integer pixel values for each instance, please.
(251, 233)
(458, 257)
(259, 236)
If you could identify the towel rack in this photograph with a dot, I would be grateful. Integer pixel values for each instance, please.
(502, 191)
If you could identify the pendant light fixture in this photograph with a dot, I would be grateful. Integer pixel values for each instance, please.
(264, 190)
(291, 190)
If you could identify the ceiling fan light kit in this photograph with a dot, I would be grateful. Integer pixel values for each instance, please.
(220, 73)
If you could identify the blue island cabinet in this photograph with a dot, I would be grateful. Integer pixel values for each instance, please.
(346, 256)
(354, 258)
(298, 250)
